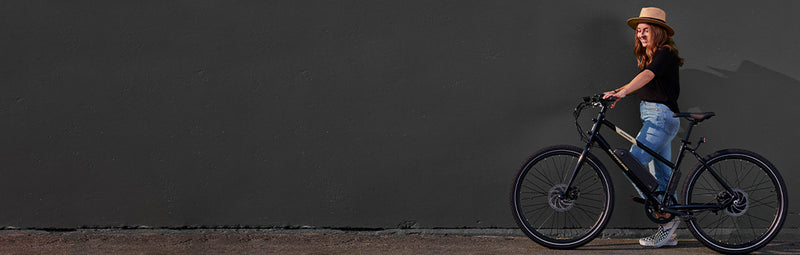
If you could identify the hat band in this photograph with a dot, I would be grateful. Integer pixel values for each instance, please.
(659, 20)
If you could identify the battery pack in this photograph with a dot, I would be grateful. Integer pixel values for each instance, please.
(637, 169)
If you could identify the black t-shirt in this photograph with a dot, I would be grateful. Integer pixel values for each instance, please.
(665, 86)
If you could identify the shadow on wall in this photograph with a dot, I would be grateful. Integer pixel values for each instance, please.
(755, 107)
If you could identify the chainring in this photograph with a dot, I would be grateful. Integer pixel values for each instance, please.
(652, 212)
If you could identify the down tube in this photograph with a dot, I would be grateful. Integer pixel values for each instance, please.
(633, 141)
(625, 170)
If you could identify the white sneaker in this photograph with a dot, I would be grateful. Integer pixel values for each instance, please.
(664, 236)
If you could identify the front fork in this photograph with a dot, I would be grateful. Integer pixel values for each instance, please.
(592, 139)
(570, 193)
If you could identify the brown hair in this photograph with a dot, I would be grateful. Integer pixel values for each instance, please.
(658, 38)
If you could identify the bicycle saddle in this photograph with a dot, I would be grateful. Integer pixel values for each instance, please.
(697, 117)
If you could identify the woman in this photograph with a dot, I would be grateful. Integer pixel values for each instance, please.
(658, 88)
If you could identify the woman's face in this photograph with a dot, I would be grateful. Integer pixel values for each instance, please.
(643, 33)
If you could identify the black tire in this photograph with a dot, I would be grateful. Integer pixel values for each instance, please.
(749, 224)
(561, 223)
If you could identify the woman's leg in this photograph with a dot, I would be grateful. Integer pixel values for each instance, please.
(657, 140)
(670, 126)
(658, 130)
(657, 133)
(661, 171)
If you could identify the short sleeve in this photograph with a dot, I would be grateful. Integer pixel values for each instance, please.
(662, 60)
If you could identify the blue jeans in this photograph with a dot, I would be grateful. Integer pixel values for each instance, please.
(659, 127)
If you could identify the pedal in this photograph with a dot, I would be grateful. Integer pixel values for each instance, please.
(638, 199)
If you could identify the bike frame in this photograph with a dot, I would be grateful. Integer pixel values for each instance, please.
(596, 138)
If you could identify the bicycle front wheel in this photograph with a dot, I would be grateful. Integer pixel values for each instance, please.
(554, 215)
(758, 203)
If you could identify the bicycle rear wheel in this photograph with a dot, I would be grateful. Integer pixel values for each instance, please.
(552, 214)
(759, 201)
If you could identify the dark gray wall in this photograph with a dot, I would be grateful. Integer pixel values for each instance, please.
(360, 114)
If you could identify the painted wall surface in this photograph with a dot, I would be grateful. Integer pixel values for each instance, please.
(349, 114)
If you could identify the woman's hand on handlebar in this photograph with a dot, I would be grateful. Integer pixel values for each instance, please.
(614, 95)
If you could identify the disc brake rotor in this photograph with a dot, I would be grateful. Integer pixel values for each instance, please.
(740, 204)
(558, 198)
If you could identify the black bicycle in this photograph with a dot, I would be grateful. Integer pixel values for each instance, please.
(734, 201)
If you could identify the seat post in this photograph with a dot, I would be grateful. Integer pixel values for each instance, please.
(684, 146)
(689, 132)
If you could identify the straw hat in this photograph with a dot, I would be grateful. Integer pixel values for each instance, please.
(652, 15)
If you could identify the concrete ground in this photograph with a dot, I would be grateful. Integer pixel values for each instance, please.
(311, 242)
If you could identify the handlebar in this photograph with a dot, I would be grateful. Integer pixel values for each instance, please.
(593, 101)
(597, 100)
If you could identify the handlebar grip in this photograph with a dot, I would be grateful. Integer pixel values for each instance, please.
(599, 99)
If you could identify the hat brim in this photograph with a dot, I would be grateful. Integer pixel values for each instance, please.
(633, 22)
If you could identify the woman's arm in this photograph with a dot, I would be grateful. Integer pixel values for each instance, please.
(638, 82)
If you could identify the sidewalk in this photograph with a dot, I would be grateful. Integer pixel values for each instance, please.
(260, 242)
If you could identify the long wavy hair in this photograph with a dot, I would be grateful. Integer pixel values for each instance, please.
(658, 38)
